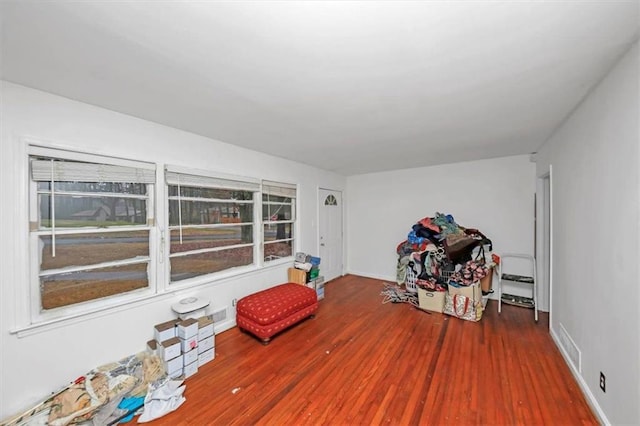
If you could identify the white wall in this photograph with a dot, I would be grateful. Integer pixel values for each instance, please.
(595, 159)
(495, 196)
(34, 365)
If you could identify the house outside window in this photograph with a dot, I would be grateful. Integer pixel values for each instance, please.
(278, 219)
(211, 223)
(90, 231)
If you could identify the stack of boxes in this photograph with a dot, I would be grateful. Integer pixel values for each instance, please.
(306, 271)
(318, 285)
(167, 346)
(184, 345)
(315, 281)
(315, 268)
(206, 340)
(188, 334)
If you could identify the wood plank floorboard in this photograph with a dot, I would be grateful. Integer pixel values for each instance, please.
(362, 362)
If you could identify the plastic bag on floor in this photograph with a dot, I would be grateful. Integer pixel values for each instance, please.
(162, 400)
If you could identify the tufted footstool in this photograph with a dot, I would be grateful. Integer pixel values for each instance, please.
(270, 311)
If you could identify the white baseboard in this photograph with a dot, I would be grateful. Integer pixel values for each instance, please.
(391, 279)
(224, 326)
(591, 399)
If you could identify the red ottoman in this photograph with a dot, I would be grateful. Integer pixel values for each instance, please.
(270, 311)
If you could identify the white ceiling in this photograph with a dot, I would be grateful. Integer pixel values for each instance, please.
(352, 87)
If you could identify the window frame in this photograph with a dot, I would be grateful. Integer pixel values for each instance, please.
(209, 179)
(286, 190)
(40, 315)
(32, 317)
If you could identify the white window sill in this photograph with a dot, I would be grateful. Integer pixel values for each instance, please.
(172, 291)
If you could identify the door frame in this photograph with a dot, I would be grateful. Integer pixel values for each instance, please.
(342, 213)
(544, 210)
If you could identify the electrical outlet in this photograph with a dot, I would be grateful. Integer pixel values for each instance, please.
(233, 302)
(603, 382)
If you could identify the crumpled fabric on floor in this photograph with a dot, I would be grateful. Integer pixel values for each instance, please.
(162, 400)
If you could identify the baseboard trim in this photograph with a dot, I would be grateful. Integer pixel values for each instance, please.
(391, 279)
(591, 399)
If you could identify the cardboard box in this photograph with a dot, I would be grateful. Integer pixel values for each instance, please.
(191, 369)
(206, 344)
(316, 283)
(172, 365)
(191, 356)
(320, 293)
(175, 374)
(206, 356)
(473, 291)
(165, 331)
(169, 349)
(297, 276)
(189, 344)
(187, 328)
(431, 300)
(205, 327)
(152, 346)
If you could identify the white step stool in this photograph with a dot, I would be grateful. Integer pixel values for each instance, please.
(507, 260)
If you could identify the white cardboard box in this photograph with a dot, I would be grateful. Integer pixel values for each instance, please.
(174, 364)
(189, 344)
(205, 327)
(175, 374)
(190, 356)
(152, 346)
(169, 349)
(165, 331)
(191, 369)
(187, 328)
(206, 356)
(206, 344)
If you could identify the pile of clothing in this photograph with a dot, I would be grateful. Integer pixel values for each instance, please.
(438, 252)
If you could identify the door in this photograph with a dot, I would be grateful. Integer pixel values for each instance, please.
(330, 233)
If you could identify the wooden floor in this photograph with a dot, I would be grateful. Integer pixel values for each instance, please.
(361, 362)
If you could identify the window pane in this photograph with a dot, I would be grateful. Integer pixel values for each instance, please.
(77, 211)
(221, 194)
(276, 199)
(276, 212)
(207, 213)
(67, 289)
(277, 250)
(196, 239)
(94, 248)
(190, 266)
(279, 231)
(111, 187)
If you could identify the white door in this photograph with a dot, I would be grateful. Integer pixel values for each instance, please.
(330, 233)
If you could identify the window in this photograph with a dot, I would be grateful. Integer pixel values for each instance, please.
(97, 241)
(330, 200)
(211, 223)
(278, 219)
(90, 227)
